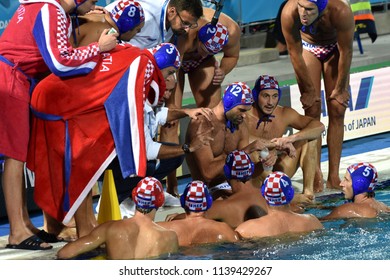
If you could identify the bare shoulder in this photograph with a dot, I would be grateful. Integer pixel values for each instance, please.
(382, 207)
(315, 222)
(201, 123)
(290, 9)
(340, 12)
(351, 210)
(224, 230)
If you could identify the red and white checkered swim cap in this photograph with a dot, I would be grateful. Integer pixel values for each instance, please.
(238, 165)
(277, 189)
(265, 82)
(127, 15)
(213, 37)
(149, 193)
(196, 197)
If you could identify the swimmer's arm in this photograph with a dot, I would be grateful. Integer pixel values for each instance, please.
(258, 145)
(345, 26)
(83, 244)
(210, 166)
(308, 128)
(193, 113)
(231, 52)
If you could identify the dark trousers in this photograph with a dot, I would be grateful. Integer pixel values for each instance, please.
(124, 186)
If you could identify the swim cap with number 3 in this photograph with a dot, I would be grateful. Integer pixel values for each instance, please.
(166, 55)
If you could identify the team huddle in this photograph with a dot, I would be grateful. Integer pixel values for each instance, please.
(103, 88)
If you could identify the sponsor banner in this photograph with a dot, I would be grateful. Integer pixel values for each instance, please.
(367, 113)
(7, 9)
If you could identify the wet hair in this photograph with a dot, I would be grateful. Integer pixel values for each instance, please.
(193, 7)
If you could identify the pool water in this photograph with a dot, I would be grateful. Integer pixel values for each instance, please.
(353, 239)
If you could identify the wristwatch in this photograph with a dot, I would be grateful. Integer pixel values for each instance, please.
(186, 148)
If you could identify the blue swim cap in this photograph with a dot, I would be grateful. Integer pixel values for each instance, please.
(238, 165)
(277, 189)
(196, 197)
(321, 4)
(166, 55)
(265, 82)
(364, 177)
(148, 194)
(237, 93)
(127, 15)
(213, 37)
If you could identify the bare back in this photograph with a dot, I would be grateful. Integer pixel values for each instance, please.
(139, 238)
(199, 230)
(242, 205)
(90, 29)
(278, 222)
(370, 208)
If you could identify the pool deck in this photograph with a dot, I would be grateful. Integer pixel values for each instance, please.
(282, 69)
(379, 158)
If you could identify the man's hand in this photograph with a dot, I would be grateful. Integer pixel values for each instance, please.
(285, 144)
(342, 97)
(98, 10)
(270, 160)
(194, 113)
(107, 41)
(219, 75)
(308, 100)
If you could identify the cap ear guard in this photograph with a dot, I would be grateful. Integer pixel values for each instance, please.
(227, 171)
(198, 200)
(364, 177)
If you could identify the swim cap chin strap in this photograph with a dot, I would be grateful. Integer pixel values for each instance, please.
(321, 5)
